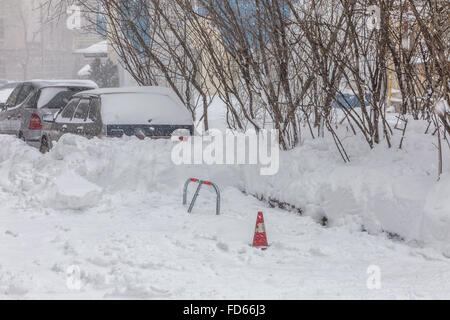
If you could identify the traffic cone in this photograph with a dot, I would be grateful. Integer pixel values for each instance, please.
(260, 238)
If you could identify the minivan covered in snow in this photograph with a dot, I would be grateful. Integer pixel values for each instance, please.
(31, 100)
(144, 112)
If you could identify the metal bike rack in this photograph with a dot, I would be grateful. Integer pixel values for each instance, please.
(200, 183)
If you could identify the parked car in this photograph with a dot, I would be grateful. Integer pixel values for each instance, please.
(30, 100)
(144, 112)
(5, 91)
(349, 100)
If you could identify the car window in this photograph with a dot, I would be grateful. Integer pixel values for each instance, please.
(13, 96)
(24, 93)
(93, 110)
(81, 113)
(55, 98)
(4, 94)
(68, 111)
(31, 101)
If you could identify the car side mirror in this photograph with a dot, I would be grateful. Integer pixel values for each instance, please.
(49, 117)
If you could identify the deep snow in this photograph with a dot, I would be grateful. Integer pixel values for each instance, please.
(113, 208)
(384, 190)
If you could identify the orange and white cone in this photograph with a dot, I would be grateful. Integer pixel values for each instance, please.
(260, 238)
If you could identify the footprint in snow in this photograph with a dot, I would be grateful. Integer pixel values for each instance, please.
(317, 252)
(10, 233)
(222, 246)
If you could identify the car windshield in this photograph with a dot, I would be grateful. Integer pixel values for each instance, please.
(55, 98)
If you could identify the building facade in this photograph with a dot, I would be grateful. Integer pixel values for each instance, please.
(33, 46)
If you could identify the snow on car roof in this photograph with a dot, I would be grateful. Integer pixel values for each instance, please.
(9, 85)
(149, 89)
(152, 90)
(59, 83)
(167, 108)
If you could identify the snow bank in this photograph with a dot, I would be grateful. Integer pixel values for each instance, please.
(78, 173)
(72, 191)
(392, 191)
(436, 220)
(381, 190)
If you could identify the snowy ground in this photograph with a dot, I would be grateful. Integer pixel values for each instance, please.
(112, 208)
(383, 190)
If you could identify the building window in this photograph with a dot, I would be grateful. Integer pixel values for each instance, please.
(102, 23)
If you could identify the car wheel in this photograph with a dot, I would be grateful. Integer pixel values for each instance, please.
(44, 148)
(21, 137)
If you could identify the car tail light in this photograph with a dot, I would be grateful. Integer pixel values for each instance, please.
(35, 122)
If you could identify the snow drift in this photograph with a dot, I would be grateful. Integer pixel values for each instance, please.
(381, 190)
(390, 191)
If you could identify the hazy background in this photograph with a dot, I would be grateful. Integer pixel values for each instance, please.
(35, 45)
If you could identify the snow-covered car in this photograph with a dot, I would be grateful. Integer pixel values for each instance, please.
(31, 100)
(144, 112)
